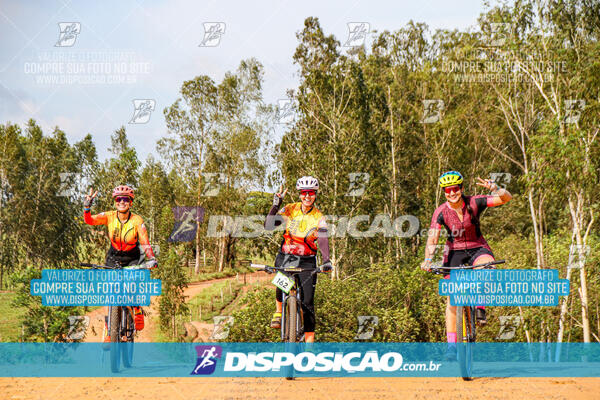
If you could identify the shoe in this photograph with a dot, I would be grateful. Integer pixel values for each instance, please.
(480, 316)
(450, 354)
(138, 318)
(276, 321)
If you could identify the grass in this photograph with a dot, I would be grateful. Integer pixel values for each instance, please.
(161, 337)
(10, 323)
(205, 275)
(210, 301)
(202, 301)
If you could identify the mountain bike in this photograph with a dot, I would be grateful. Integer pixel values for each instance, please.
(465, 322)
(288, 280)
(120, 325)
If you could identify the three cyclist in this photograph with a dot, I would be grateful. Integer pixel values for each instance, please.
(127, 233)
(465, 245)
(305, 230)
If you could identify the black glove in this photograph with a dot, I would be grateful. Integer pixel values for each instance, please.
(87, 203)
(326, 267)
(277, 200)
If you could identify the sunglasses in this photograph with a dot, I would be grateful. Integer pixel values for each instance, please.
(450, 189)
(122, 199)
(307, 192)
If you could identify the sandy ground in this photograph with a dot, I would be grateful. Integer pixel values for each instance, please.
(271, 388)
(304, 388)
(95, 329)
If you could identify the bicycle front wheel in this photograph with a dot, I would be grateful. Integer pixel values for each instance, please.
(290, 328)
(291, 320)
(465, 336)
(114, 320)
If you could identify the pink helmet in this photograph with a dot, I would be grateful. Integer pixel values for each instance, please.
(123, 190)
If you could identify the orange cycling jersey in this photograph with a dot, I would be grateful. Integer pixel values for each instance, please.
(124, 236)
(301, 230)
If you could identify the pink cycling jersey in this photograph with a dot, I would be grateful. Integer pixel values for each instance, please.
(466, 234)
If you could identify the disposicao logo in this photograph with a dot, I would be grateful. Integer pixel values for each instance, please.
(321, 362)
(207, 359)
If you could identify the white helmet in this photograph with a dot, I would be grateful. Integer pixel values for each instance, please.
(307, 183)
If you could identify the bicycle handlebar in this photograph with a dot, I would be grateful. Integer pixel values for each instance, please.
(441, 270)
(271, 269)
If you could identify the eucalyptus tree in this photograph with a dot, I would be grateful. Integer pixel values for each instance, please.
(215, 135)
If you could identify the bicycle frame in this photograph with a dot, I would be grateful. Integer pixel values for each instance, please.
(294, 293)
(119, 347)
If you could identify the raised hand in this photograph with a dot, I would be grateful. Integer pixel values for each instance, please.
(278, 197)
(89, 198)
(487, 183)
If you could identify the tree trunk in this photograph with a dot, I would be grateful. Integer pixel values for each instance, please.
(538, 246)
(336, 268)
(394, 199)
(198, 240)
(576, 211)
(565, 300)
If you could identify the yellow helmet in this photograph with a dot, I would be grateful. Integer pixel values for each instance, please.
(451, 178)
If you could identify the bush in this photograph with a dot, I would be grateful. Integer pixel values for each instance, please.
(404, 300)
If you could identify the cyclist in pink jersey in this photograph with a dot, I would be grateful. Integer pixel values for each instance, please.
(459, 216)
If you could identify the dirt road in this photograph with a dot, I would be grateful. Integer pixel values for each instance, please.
(270, 388)
(95, 329)
(304, 388)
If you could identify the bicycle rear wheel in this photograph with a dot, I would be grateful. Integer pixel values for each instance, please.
(465, 336)
(114, 320)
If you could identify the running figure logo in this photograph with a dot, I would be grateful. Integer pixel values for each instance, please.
(212, 34)
(143, 110)
(186, 223)
(207, 359)
(68, 33)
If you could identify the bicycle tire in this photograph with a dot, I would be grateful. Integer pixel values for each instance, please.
(127, 347)
(291, 334)
(115, 338)
(465, 336)
(291, 320)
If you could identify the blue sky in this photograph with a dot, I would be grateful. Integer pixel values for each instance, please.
(148, 48)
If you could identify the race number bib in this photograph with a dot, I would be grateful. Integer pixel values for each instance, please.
(283, 282)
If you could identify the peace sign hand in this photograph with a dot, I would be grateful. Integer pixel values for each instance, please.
(488, 184)
(89, 198)
(278, 197)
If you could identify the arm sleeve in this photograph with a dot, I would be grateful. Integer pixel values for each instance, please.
(482, 202)
(144, 242)
(323, 240)
(274, 219)
(98, 219)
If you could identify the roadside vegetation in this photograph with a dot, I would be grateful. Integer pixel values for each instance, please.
(518, 105)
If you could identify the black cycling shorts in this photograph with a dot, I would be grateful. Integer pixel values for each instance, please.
(465, 257)
(123, 258)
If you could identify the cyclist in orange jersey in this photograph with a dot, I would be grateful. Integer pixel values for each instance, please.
(126, 232)
(305, 229)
